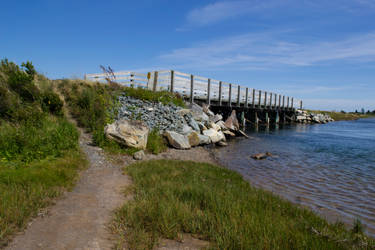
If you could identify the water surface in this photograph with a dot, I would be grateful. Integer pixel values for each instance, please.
(329, 168)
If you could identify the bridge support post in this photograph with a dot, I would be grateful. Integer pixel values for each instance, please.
(209, 92)
(267, 119)
(154, 87)
(172, 81)
(256, 120)
(191, 89)
(220, 92)
(277, 120)
(243, 120)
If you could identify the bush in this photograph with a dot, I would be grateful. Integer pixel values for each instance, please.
(52, 103)
(36, 140)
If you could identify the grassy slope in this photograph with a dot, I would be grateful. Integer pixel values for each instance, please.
(39, 152)
(216, 204)
(338, 116)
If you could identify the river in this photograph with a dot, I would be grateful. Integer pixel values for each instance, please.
(329, 168)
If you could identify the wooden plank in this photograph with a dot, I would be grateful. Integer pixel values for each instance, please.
(191, 88)
(247, 98)
(230, 95)
(220, 92)
(208, 91)
(182, 74)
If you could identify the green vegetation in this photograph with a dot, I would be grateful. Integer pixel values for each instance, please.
(156, 143)
(94, 105)
(217, 205)
(39, 153)
(343, 116)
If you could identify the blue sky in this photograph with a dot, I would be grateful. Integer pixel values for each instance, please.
(320, 51)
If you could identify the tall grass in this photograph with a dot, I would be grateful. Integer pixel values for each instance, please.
(217, 205)
(39, 152)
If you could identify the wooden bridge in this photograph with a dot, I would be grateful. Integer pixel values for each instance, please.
(254, 105)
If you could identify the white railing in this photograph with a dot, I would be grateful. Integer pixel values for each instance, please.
(202, 88)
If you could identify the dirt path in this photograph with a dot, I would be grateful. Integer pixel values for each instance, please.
(79, 220)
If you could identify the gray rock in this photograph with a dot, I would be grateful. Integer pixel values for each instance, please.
(139, 155)
(177, 140)
(222, 144)
(214, 135)
(216, 118)
(204, 139)
(193, 138)
(194, 124)
(186, 129)
(232, 122)
(129, 133)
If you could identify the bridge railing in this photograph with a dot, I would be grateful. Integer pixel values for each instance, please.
(200, 88)
(123, 77)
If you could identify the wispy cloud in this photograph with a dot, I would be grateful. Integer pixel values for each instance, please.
(223, 10)
(265, 50)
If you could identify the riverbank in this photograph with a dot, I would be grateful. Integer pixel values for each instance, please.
(340, 116)
(174, 198)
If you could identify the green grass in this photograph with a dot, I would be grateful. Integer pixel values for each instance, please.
(340, 116)
(155, 142)
(24, 190)
(217, 205)
(39, 151)
(94, 105)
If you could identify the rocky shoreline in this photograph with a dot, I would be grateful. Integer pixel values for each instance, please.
(183, 128)
(302, 116)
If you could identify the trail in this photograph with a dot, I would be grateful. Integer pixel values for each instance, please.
(80, 219)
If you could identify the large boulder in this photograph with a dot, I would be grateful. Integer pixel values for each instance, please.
(204, 139)
(186, 129)
(198, 113)
(222, 125)
(214, 126)
(193, 138)
(194, 124)
(216, 118)
(128, 132)
(214, 135)
(177, 140)
(232, 122)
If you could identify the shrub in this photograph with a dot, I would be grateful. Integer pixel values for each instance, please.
(52, 103)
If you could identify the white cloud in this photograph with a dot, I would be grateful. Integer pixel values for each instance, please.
(223, 10)
(265, 50)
